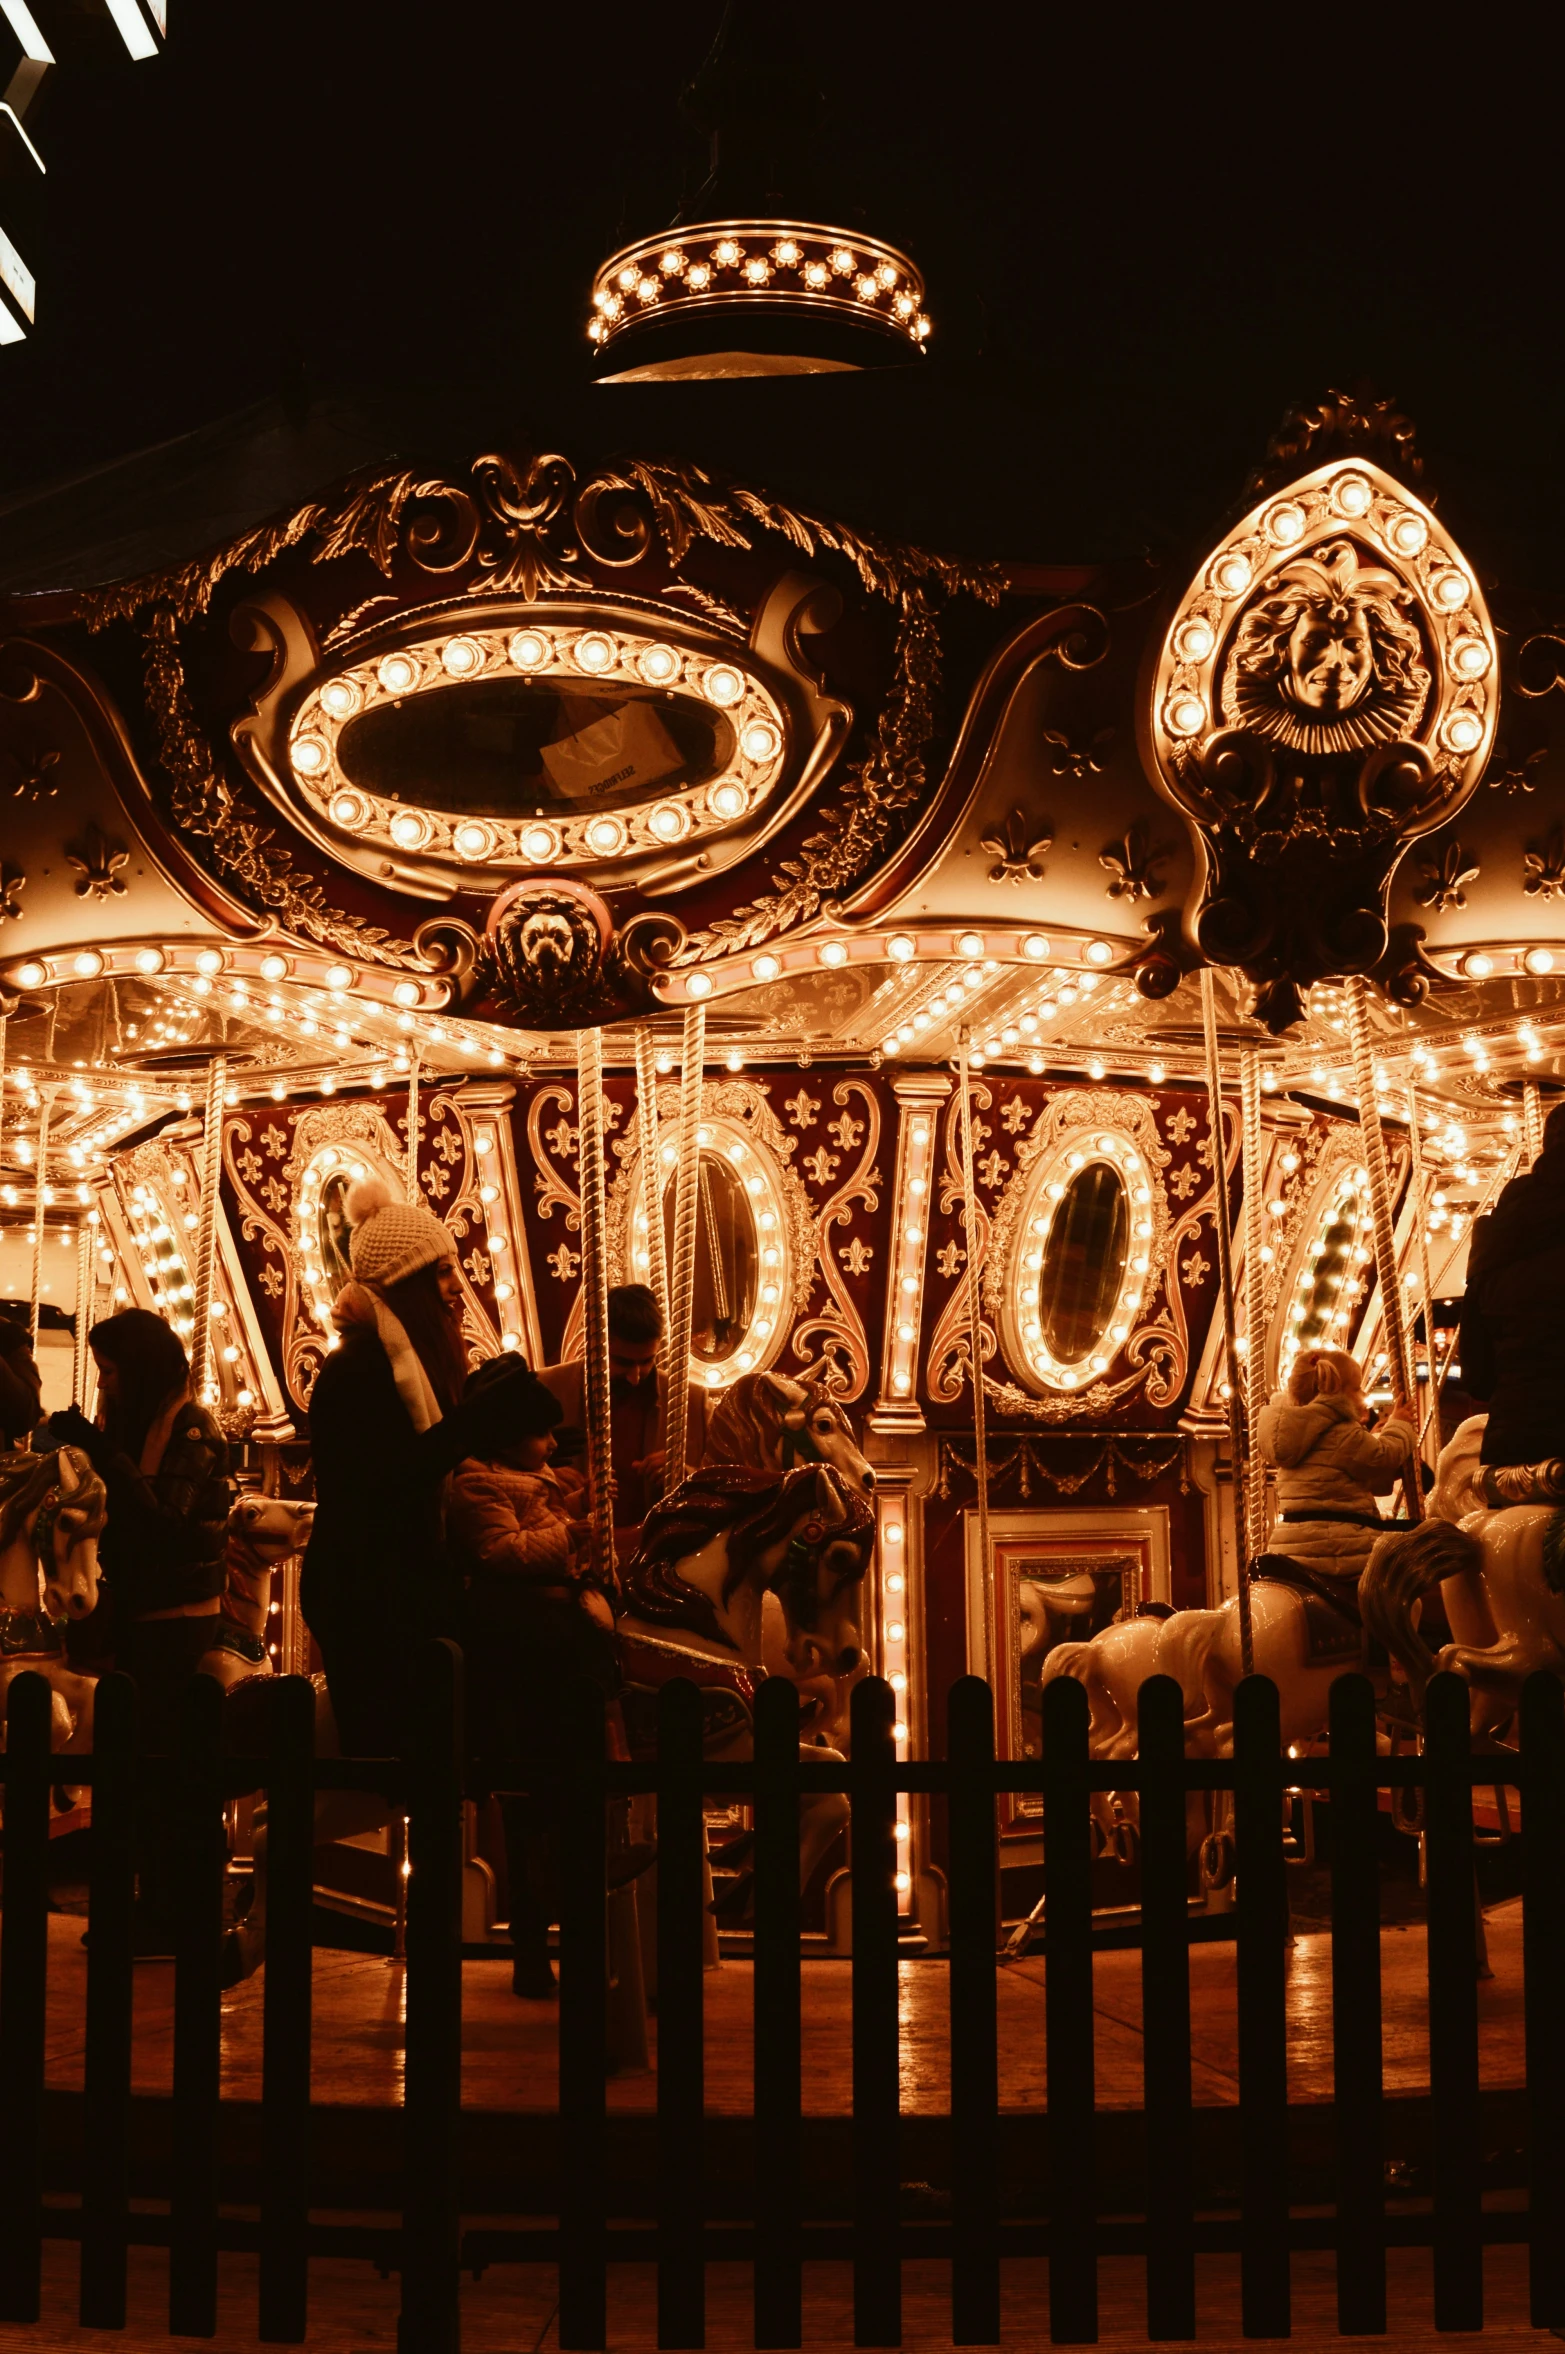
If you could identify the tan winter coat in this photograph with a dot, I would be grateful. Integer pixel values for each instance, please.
(514, 1522)
(1326, 1460)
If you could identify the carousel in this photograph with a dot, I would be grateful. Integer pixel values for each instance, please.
(1004, 1014)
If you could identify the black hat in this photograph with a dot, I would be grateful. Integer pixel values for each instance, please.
(517, 1396)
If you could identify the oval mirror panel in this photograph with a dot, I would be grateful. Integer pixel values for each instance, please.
(517, 747)
(1084, 1261)
(727, 1260)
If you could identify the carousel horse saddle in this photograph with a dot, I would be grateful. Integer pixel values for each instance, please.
(1333, 1629)
(1523, 1483)
(727, 1692)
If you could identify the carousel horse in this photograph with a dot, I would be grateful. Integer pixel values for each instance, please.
(52, 1510)
(262, 1530)
(711, 1557)
(1497, 1553)
(774, 1420)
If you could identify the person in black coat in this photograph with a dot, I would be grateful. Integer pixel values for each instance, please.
(21, 1386)
(1513, 1311)
(388, 1424)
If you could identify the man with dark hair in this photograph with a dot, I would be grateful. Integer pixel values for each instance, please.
(637, 1389)
(1514, 1310)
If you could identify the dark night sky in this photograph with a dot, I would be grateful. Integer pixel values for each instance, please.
(1141, 245)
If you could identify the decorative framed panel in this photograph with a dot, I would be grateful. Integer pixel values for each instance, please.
(1052, 1578)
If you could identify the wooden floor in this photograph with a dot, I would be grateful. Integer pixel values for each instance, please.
(509, 2046)
(512, 2311)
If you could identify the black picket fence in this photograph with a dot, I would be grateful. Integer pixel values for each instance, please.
(1065, 2222)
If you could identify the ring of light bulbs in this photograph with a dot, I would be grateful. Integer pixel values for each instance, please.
(1306, 1326)
(1347, 498)
(579, 653)
(1022, 1238)
(777, 1238)
(794, 265)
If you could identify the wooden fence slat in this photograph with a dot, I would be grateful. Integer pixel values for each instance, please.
(1068, 2024)
(24, 1977)
(111, 1904)
(286, 2016)
(200, 1859)
(1543, 1970)
(1453, 2006)
(778, 2276)
(877, 2251)
(1355, 2010)
(432, 2077)
(975, 2077)
(1165, 2013)
(583, 2024)
(681, 2060)
(1263, 2047)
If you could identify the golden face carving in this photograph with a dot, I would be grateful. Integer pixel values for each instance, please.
(1329, 657)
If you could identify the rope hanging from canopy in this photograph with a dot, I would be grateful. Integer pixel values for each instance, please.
(681, 1274)
(651, 1168)
(1382, 1215)
(1252, 1178)
(206, 1230)
(595, 1302)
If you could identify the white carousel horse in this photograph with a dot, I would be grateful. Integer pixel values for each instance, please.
(1501, 1574)
(775, 1420)
(262, 1530)
(712, 1556)
(52, 1510)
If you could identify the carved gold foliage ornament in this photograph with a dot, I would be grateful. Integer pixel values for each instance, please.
(838, 1324)
(241, 850)
(534, 529)
(1325, 695)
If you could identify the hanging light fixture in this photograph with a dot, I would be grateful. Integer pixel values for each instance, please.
(752, 278)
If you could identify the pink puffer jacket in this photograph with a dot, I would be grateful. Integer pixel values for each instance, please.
(1327, 1461)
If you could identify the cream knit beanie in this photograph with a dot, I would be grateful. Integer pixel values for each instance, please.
(389, 1239)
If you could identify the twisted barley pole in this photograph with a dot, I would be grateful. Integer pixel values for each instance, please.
(595, 1301)
(413, 1129)
(83, 1313)
(1532, 1120)
(682, 1271)
(652, 1168)
(975, 1330)
(40, 1198)
(206, 1229)
(1426, 1289)
(1254, 1287)
(1382, 1216)
(1221, 1220)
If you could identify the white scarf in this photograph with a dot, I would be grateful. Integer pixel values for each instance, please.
(361, 1303)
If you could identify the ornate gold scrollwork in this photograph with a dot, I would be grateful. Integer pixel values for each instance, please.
(1324, 695)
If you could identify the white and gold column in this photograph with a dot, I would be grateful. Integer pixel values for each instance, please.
(919, 1095)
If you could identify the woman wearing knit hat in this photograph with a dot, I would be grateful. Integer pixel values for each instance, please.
(388, 1423)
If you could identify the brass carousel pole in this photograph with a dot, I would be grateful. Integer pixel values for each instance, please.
(1222, 1222)
(652, 1168)
(40, 1194)
(595, 1299)
(1382, 1216)
(682, 1271)
(1532, 1118)
(975, 1332)
(413, 1129)
(206, 1230)
(83, 1313)
(1426, 1289)
(1254, 1288)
